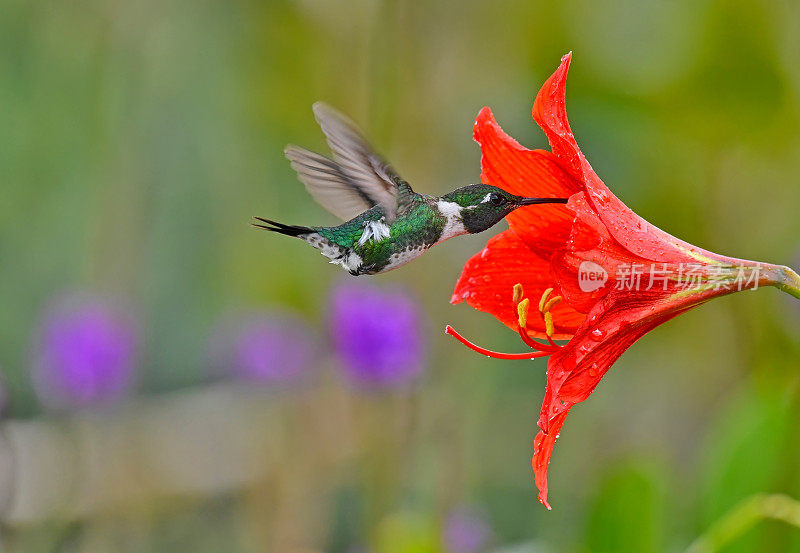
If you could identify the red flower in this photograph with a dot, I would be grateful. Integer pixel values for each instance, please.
(618, 276)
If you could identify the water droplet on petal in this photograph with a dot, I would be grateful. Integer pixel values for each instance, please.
(485, 253)
(597, 335)
(593, 370)
(472, 281)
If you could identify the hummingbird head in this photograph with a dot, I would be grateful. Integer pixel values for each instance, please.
(483, 206)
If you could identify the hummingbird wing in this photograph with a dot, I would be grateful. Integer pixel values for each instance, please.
(328, 184)
(367, 171)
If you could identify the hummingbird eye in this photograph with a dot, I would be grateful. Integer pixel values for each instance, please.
(496, 199)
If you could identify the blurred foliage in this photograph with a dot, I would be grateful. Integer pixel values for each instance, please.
(138, 138)
(613, 526)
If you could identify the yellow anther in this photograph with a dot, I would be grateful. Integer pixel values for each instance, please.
(551, 303)
(544, 299)
(522, 312)
(549, 329)
(518, 292)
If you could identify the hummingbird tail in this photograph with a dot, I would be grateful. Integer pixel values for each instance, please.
(288, 230)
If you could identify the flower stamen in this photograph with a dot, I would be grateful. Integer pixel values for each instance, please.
(544, 298)
(522, 312)
(518, 293)
(551, 303)
(540, 346)
(522, 305)
(546, 303)
(549, 328)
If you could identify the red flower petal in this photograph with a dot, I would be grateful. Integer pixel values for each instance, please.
(639, 236)
(574, 371)
(542, 451)
(504, 262)
(550, 112)
(537, 173)
(589, 242)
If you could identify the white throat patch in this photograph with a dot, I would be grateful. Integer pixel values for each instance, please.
(454, 225)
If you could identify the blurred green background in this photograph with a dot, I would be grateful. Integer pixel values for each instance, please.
(137, 139)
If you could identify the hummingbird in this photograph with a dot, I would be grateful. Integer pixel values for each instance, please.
(387, 224)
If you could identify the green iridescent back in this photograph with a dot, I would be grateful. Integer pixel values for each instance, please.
(418, 225)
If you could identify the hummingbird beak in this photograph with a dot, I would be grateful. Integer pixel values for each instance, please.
(532, 201)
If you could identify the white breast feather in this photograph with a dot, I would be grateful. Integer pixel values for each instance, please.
(404, 256)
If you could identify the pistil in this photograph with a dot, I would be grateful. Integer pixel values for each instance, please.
(489, 353)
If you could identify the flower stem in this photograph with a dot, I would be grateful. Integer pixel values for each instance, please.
(789, 282)
(743, 517)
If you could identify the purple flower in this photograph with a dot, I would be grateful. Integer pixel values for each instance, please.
(264, 348)
(377, 334)
(466, 530)
(84, 353)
